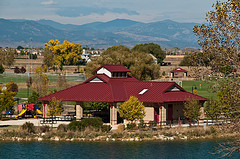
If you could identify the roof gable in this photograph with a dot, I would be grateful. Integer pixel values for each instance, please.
(179, 69)
(175, 87)
(114, 68)
(96, 79)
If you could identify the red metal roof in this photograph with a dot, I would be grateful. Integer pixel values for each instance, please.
(114, 68)
(179, 69)
(120, 89)
(176, 96)
(92, 92)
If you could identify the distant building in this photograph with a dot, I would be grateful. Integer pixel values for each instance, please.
(88, 54)
(178, 72)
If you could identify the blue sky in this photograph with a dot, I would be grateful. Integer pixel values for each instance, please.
(86, 11)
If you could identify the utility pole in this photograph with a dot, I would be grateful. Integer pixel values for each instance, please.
(29, 56)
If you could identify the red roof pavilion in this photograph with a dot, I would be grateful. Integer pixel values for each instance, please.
(102, 88)
(113, 84)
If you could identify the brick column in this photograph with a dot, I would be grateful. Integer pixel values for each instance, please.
(45, 110)
(113, 115)
(162, 114)
(79, 112)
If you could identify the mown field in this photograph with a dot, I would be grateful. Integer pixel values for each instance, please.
(22, 78)
(202, 88)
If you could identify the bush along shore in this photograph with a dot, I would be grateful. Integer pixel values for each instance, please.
(92, 129)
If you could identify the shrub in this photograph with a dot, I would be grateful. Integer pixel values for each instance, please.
(1, 69)
(164, 73)
(70, 134)
(75, 125)
(141, 124)
(117, 135)
(22, 70)
(62, 128)
(88, 122)
(213, 129)
(152, 124)
(44, 129)
(120, 128)
(131, 126)
(29, 127)
(19, 70)
(106, 128)
(16, 70)
(93, 122)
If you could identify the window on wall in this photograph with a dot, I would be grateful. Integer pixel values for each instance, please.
(119, 74)
(114, 74)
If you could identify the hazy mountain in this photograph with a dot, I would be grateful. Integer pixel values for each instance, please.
(167, 33)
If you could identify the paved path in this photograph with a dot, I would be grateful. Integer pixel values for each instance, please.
(36, 122)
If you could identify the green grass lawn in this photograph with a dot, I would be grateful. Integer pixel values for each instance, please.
(23, 93)
(202, 91)
(22, 78)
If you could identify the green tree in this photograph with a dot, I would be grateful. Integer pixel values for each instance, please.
(2, 57)
(1, 69)
(20, 47)
(96, 106)
(151, 48)
(48, 59)
(212, 109)
(219, 38)
(132, 109)
(13, 87)
(6, 100)
(61, 83)
(192, 110)
(33, 98)
(229, 97)
(7, 57)
(40, 82)
(141, 65)
(54, 107)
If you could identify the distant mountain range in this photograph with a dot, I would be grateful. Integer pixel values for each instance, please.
(167, 33)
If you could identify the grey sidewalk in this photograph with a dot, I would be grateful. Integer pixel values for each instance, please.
(36, 122)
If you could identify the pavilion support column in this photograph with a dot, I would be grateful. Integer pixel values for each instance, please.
(162, 115)
(45, 110)
(185, 74)
(172, 74)
(113, 115)
(79, 111)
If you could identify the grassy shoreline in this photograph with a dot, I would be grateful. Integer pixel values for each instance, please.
(17, 134)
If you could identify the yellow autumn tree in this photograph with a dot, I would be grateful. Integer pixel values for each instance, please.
(55, 107)
(62, 54)
(6, 98)
(132, 109)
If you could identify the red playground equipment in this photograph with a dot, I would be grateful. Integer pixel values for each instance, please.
(28, 110)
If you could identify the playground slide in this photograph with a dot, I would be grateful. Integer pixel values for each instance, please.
(39, 111)
(22, 113)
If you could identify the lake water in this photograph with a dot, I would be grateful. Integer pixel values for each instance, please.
(109, 150)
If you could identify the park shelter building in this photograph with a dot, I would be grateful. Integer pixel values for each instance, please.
(113, 84)
(178, 72)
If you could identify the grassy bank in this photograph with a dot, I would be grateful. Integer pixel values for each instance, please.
(62, 133)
